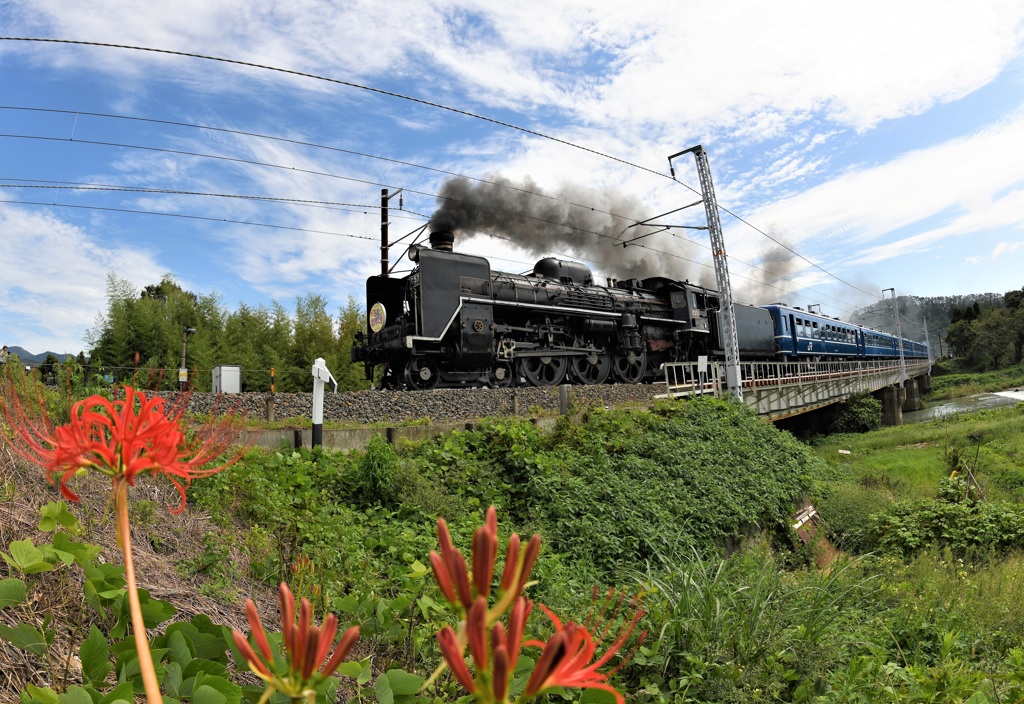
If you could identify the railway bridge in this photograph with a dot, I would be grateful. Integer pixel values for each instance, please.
(778, 390)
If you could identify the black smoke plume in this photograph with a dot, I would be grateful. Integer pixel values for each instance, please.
(573, 222)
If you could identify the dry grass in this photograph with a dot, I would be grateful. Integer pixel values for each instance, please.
(179, 538)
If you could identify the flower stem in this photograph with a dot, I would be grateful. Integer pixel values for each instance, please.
(124, 541)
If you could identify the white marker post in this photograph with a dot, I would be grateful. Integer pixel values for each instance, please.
(321, 376)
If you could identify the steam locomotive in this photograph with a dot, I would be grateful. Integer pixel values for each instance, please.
(454, 322)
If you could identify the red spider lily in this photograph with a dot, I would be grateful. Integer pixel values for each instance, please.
(306, 647)
(565, 660)
(120, 439)
(494, 658)
(453, 576)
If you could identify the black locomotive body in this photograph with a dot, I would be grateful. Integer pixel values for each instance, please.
(454, 322)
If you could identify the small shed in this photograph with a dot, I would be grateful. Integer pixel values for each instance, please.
(227, 379)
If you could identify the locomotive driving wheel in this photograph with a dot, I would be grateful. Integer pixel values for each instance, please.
(421, 374)
(592, 369)
(629, 367)
(544, 371)
(502, 376)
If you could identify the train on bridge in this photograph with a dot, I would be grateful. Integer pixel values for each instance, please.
(452, 322)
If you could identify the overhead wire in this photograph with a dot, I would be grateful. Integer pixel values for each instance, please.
(374, 156)
(307, 202)
(184, 216)
(421, 101)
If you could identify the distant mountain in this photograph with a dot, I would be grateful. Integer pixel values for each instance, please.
(35, 359)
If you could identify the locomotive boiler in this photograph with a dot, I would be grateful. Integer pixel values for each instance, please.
(454, 322)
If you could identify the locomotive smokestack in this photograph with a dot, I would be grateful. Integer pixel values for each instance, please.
(442, 240)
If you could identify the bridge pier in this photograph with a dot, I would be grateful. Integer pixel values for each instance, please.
(924, 383)
(892, 404)
(912, 402)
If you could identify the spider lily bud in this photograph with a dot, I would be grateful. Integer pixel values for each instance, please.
(306, 647)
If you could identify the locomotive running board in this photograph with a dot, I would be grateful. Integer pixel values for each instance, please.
(410, 339)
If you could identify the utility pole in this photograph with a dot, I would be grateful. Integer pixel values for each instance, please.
(384, 198)
(183, 370)
(727, 313)
(899, 335)
(931, 360)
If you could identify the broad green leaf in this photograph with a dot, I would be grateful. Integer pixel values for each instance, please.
(43, 695)
(178, 646)
(12, 591)
(383, 691)
(56, 513)
(25, 637)
(76, 694)
(205, 694)
(403, 683)
(349, 669)
(366, 674)
(121, 693)
(156, 611)
(172, 680)
(206, 667)
(418, 570)
(215, 690)
(95, 655)
(84, 553)
(346, 605)
(597, 696)
(26, 558)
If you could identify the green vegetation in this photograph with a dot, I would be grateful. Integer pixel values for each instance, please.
(655, 500)
(862, 413)
(687, 504)
(140, 337)
(956, 378)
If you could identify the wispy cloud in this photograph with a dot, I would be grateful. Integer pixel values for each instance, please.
(55, 276)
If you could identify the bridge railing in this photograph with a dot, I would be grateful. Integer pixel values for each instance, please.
(693, 378)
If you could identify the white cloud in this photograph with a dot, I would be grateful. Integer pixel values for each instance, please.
(958, 182)
(54, 281)
(1004, 248)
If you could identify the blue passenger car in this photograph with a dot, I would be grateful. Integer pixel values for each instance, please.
(800, 334)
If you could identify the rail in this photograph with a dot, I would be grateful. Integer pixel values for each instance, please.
(696, 378)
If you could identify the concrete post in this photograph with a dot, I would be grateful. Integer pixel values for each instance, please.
(270, 408)
(563, 399)
(892, 405)
(912, 402)
(924, 383)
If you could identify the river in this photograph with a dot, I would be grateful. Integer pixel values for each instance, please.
(967, 404)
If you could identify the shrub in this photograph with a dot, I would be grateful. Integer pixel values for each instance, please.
(862, 413)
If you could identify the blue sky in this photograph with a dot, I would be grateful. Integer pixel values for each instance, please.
(883, 142)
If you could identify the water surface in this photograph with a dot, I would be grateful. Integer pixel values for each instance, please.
(967, 404)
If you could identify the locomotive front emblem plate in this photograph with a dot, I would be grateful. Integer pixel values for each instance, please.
(378, 316)
(478, 326)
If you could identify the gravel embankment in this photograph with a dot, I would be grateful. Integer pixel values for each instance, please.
(440, 405)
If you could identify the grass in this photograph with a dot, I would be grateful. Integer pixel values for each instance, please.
(954, 379)
(913, 458)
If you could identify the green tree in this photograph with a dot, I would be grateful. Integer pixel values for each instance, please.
(351, 376)
(960, 338)
(1015, 307)
(1015, 324)
(993, 335)
(313, 337)
(140, 337)
(1014, 299)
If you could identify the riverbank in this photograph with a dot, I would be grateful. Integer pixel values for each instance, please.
(951, 379)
